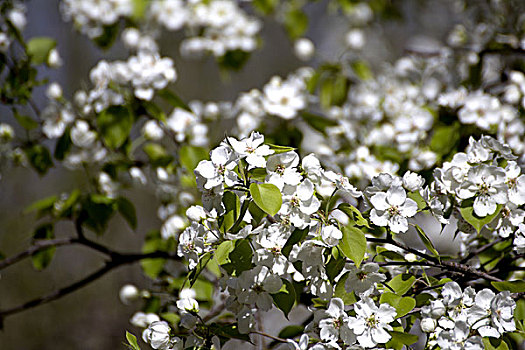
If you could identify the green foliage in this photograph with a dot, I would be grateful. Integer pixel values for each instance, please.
(127, 210)
(353, 244)
(96, 212)
(240, 258)
(132, 340)
(63, 145)
(201, 265)
(38, 49)
(154, 242)
(174, 100)
(265, 6)
(157, 154)
(318, 122)
(285, 298)
(43, 258)
(445, 139)
(25, 121)
(467, 212)
(232, 205)
(115, 125)
(296, 23)
(362, 70)
(403, 305)
(340, 291)
(494, 344)
(290, 332)
(40, 158)
(233, 59)
(108, 36)
(426, 241)
(400, 339)
(517, 286)
(267, 197)
(190, 156)
(401, 284)
(353, 214)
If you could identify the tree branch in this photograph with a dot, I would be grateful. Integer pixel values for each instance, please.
(117, 260)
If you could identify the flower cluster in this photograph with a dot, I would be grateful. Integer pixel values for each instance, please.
(460, 318)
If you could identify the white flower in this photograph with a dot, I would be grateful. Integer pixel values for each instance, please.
(331, 235)
(142, 320)
(272, 241)
(480, 109)
(81, 136)
(299, 202)
(516, 183)
(283, 99)
(487, 183)
(252, 149)
(172, 14)
(4, 42)
(282, 169)
(158, 335)
(334, 324)
(220, 169)
(128, 293)
(428, 325)
(355, 39)
(413, 181)
(458, 338)
(152, 130)
(54, 91)
(53, 59)
(371, 322)
(304, 49)
(360, 279)
(392, 209)
(257, 284)
(519, 239)
(173, 226)
(6, 132)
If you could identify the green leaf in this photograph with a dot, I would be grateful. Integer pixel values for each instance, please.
(277, 150)
(96, 212)
(325, 93)
(229, 332)
(132, 340)
(265, 6)
(108, 36)
(171, 317)
(296, 23)
(291, 331)
(494, 344)
(42, 204)
(296, 237)
(40, 158)
(174, 100)
(154, 110)
(354, 214)
(232, 205)
(223, 251)
(334, 267)
(25, 121)
(353, 244)
(402, 283)
(400, 338)
(403, 305)
(139, 9)
(257, 213)
(63, 145)
(157, 154)
(233, 59)
(38, 49)
(127, 210)
(195, 273)
(285, 298)
(517, 286)
(426, 241)
(190, 156)
(467, 212)
(416, 197)
(318, 122)
(115, 125)
(362, 70)
(267, 197)
(43, 258)
(340, 291)
(240, 258)
(445, 139)
(154, 242)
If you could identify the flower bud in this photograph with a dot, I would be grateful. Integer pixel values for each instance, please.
(304, 49)
(53, 59)
(6, 133)
(54, 91)
(128, 294)
(428, 325)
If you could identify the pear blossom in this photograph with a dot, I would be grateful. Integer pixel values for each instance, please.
(219, 170)
(334, 325)
(283, 98)
(360, 279)
(299, 202)
(256, 285)
(282, 169)
(371, 322)
(487, 183)
(392, 209)
(158, 336)
(251, 149)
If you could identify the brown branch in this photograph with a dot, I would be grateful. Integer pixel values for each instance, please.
(38, 246)
(481, 250)
(117, 260)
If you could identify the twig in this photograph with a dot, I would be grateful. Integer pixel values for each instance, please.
(38, 246)
(270, 336)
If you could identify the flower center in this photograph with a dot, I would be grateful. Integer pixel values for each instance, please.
(372, 322)
(279, 169)
(393, 210)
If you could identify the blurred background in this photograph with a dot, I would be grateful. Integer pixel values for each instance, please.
(94, 318)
